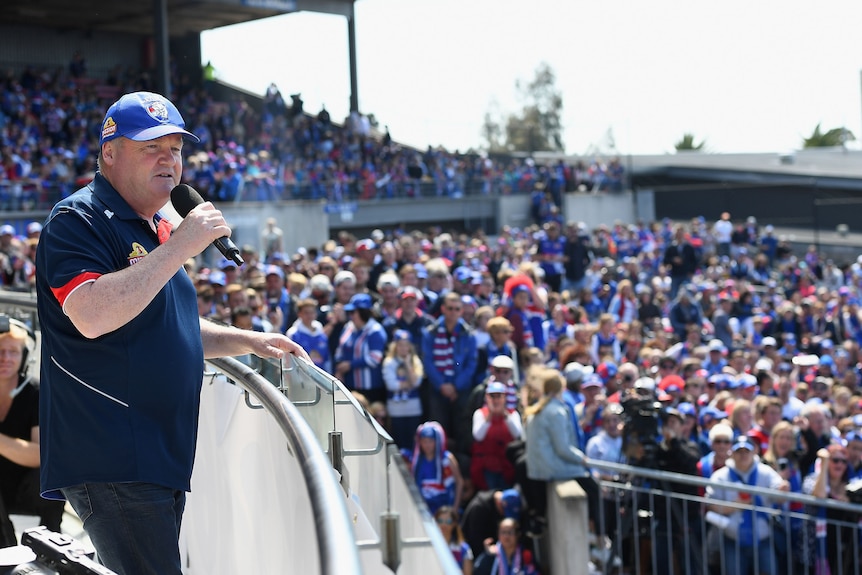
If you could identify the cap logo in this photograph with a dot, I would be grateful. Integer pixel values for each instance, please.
(157, 111)
(109, 129)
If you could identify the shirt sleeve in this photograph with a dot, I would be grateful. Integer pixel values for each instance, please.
(77, 252)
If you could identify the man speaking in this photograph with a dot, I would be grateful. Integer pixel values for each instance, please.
(123, 346)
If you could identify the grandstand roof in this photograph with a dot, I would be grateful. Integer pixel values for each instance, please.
(184, 16)
(810, 162)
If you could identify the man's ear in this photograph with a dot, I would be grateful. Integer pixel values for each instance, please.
(109, 149)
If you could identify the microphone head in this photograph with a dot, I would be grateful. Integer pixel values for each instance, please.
(184, 198)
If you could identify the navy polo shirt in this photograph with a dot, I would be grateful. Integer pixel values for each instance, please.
(124, 406)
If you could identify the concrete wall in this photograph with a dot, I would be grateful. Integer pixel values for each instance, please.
(513, 211)
(304, 223)
(469, 213)
(595, 209)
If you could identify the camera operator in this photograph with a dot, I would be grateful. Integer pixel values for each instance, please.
(652, 438)
(677, 524)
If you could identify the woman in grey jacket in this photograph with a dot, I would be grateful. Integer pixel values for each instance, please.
(552, 453)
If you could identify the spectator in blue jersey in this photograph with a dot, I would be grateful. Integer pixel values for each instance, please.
(359, 357)
(720, 438)
(550, 251)
(449, 357)
(685, 312)
(747, 528)
(604, 342)
(714, 362)
(402, 374)
(278, 297)
(435, 469)
(308, 332)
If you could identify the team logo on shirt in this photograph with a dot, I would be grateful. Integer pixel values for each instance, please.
(157, 110)
(137, 253)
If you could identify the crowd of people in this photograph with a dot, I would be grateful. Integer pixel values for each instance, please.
(471, 350)
(49, 139)
(500, 363)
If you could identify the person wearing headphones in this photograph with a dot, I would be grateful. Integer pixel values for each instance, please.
(19, 435)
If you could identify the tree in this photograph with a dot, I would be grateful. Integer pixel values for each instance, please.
(687, 143)
(538, 126)
(832, 138)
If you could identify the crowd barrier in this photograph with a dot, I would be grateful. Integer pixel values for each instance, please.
(653, 529)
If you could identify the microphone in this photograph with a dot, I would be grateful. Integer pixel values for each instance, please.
(185, 198)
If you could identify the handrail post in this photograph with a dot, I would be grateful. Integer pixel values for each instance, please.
(336, 456)
(390, 539)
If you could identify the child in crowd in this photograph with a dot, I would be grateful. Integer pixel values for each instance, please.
(402, 374)
(308, 332)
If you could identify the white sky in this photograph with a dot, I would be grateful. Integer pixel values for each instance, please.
(746, 76)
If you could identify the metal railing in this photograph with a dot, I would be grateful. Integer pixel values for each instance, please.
(332, 523)
(368, 516)
(650, 526)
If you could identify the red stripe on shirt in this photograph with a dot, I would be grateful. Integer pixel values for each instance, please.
(61, 293)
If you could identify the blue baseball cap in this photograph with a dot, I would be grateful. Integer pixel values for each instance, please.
(143, 116)
(687, 408)
(743, 442)
(495, 387)
(463, 274)
(273, 270)
(511, 504)
(712, 413)
(400, 334)
(359, 301)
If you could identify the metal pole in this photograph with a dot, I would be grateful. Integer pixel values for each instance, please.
(351, 45)
(160, 35)
(815, 212)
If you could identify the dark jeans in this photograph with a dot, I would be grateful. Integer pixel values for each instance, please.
(24, 499)
(134, 527)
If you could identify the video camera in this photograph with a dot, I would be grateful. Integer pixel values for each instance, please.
(641, 417)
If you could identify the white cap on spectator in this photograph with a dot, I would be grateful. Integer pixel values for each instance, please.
(343, 276)
(320, 283)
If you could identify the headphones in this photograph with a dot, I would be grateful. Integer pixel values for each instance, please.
(27, 354)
